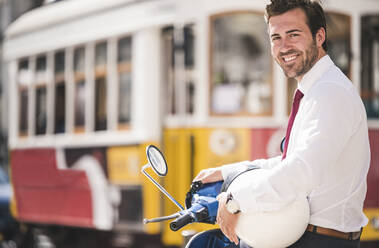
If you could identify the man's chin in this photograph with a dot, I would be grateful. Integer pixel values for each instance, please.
(290, 70)
(290, 74)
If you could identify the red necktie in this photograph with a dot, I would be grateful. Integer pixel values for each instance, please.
(295, 108)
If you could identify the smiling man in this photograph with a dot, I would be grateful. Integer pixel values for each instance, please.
(295, 47)
(326, 153)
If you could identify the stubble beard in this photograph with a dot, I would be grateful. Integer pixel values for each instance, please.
(295, 70)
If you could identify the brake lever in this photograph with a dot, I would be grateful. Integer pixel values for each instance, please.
(160, 219)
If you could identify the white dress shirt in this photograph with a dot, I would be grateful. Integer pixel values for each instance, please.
(328, 155)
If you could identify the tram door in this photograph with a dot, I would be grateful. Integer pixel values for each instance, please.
(179, 84)
(370, 64)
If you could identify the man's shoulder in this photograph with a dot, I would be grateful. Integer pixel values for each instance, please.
(333, 88)
(334, 80)
(335, 75)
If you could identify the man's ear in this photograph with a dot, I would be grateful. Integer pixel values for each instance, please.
(320, 37)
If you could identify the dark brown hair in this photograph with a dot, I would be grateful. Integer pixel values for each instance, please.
(312, 9)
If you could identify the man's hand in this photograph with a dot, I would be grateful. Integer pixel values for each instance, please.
(209, 175)
(226, 220)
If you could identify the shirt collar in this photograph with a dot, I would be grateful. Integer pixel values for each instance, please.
(314, 74)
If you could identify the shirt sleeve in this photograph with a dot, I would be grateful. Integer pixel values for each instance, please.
(327, 122)
(270, 163)
(262, 163)
(229, 168)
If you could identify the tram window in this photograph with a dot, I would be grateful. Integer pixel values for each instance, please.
(370, 64)
(338, 30)
(124, 50)
(24, 79)
(189, 59)
(59, 61)
(101, 54)
(41, 68)
(189, 49)
(79, 60)
(59, 108)
(168, 63)
(124, 103)
(101, 113)
(79, 95)
(100, 86)
(338, 39)
(125, 81)
(79, 106)
(41, 101)
(60, 92)
(24, 97)
(41, 95)
(179, 55)
(241, 65)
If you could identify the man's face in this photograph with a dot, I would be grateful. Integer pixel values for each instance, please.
(292, 44)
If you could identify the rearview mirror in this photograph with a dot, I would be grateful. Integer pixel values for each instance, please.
(159, 165)
(156, 160)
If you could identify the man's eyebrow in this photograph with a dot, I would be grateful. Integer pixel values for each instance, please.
(287, 32)
(293, 31)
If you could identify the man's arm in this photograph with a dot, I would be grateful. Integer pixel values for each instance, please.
(329, 119)
(220, 173)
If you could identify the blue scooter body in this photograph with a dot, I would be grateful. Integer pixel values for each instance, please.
(202, 206)
(210, 239)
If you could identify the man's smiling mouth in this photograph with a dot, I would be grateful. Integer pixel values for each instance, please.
(290, 58)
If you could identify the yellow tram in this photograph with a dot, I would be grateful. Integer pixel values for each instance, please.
(92, 82)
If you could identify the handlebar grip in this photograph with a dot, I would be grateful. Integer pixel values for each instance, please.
(181, 221)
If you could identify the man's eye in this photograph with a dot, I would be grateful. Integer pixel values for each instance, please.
(293, 35)
(275, 38)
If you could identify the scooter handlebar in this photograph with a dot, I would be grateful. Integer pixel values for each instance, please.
(181, 221)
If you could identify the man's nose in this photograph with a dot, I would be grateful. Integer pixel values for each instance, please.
(285, 45)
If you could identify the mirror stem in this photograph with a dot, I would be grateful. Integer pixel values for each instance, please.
(145, 167)
(161, 188)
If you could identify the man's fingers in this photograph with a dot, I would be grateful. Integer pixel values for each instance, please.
(230, 234)
(205, 180)
(209, 175)
(234, 237)
(199, 176)
(225, 232)
(219, 196)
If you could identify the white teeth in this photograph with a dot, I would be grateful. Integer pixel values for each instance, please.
(289, 58)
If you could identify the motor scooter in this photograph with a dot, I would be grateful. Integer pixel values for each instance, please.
(201, 206)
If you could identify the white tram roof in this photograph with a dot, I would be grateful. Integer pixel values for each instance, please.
(51, 14)
(80, 21)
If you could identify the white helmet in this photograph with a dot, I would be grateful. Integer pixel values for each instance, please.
(274, 229)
